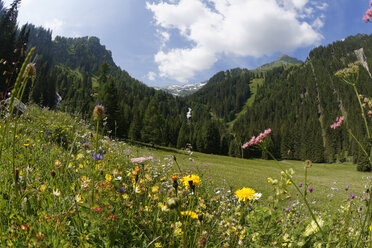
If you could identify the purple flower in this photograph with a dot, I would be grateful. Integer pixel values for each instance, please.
(347, 187)
(311, 189)
(300, 184)
(352, 195)
(99, 156)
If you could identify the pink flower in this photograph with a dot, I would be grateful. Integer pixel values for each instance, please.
(255, 140)
(370, 3)
(338, 122)
(369, 12)
(141, 159)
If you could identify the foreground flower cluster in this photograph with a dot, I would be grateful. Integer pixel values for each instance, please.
(74, 189)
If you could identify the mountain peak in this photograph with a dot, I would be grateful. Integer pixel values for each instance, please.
(283, 60)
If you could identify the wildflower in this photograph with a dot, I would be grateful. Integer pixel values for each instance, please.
(155, 189)
(192, 214)
(173, 203)
(26, 145)
(58, 164)
(163, 179)
(158, 245)
(352, 195)
(98, 157)
(111, 215)
(108, 178)
(245, 194)
(257, 196)
(125, 196)
(30, 71)
(99, 112)
(308, 164)
(311, 189)
(255, 140)
(141, 159)
(338, 122)
(43, 188)
(269, 180)
(347, 187)
(191, 181)
(80, 156)
(53, 173)
(56, 192)
(163, 207)
(78, 199)
(348, 72)
(300, 184)
(136, 171)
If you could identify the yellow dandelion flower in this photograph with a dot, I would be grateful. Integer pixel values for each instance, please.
(189, 180)
(269, 180)
(245, 194)
(163, 179)
(192, 214)
(370, 228)
(155, 189)
(158, 245)
(26, 145)
(108, 178)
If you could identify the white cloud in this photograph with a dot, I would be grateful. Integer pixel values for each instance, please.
(233, 28)
(54, 25)
(151, 76)
(318, 23)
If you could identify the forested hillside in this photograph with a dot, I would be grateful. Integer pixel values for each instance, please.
(301, 103)
(297, 102)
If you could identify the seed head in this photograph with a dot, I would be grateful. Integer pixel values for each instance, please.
(99, 112)
(30, 71)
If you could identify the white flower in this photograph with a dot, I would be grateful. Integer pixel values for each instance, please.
(257, 196)
(56, 192)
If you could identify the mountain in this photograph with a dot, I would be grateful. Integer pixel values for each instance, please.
(182, 90)
(299, 103)
(283, 60)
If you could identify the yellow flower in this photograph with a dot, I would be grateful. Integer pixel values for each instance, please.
(245, 194)
(163, 179)
(163, 207)
(192, 214)
(155, 189)
(108, 178)
(26, 145)
(370, 228)
(125, 196)
(269, 180)
(158, 245)
(43, 188)
(78, 198)
(189, 180)
(80, 156)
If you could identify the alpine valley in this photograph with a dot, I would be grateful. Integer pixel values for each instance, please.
(297, 100)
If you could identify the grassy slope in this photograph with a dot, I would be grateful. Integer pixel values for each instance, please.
(254, 173)
(237, 172)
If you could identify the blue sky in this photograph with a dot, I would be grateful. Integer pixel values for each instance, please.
(163, 42)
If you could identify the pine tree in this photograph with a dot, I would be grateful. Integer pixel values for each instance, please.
(152, 124)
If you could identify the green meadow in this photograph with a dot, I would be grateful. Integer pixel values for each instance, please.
(64, 184)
